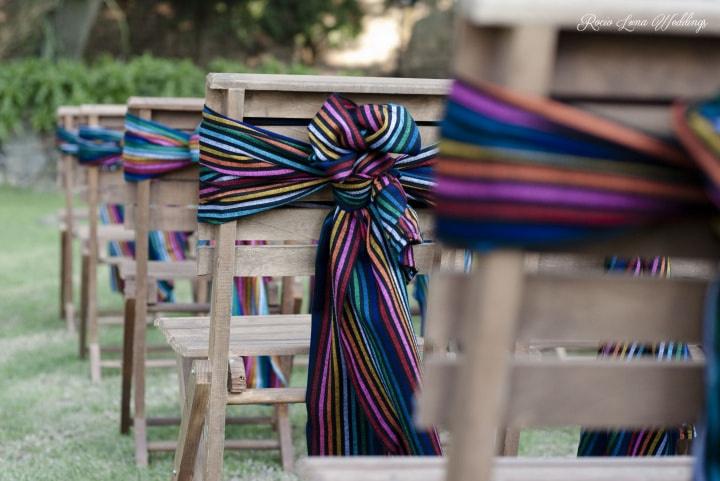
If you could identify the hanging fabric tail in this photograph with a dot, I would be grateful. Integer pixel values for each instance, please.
(655, 442)
(250, 298)
(364, 364)
(113, 214)
(420, 294)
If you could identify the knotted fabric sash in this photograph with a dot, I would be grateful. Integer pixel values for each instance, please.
(521, 171)
(92, 145)
(363, 357)
(153, 150)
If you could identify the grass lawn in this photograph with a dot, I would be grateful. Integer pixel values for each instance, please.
(54, 423)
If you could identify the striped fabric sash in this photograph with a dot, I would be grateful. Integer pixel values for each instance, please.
(153, 149)
(647, 442)
(92, 145)
(698, 128)
(519, 171)
(114, 214)
(363, 356)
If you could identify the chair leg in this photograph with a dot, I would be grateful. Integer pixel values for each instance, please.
(92, 319)
(63, 242)
(139, 371)
(127, 365)
(284, 430)
(193, 418)
(82, 337)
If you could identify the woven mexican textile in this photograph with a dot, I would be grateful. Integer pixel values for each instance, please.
(648, 442)
(250, 298)
(153, 149)
(92, 145)
(698, 128)
(113, 214)
(363, 357)
(516, 170)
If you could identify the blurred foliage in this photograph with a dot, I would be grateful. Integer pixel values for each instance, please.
(196, 29)
(31, 89)
(242, 28)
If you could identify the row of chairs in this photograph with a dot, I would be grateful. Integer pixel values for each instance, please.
(475, 320)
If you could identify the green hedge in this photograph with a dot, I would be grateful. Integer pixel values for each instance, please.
(31, 89)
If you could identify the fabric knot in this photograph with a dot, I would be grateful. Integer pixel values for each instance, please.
(153, 149)
(94, 146)
(354, 146)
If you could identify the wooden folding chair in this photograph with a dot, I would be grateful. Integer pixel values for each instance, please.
(283, 104)
(168, 204)
(96, 186)
(103, 187)
(69, 180)
(140, 275)
(475, 321)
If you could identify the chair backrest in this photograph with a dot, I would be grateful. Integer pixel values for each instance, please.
(109, 116)
(167, 203)
(171, 204)
(110, 188)
(285, 104)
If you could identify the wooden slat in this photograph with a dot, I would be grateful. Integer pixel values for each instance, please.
(178, 104)
(601, 393)
(264, 104)
(106, 232)
(326, 83)
(573, 264)
(612, 307)
(166, 218)
(175, 323)
(168, 192)
(297, 224)
(289, 260)
(103, 110)
(588, 392)
(414, 468)
(268, 396)
(165, 270)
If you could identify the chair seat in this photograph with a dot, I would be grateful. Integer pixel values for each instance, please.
(373, 468)
(273, 335)
(249, 335)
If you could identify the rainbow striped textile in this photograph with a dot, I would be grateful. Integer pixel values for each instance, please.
(516, 170)
(364, 365)
(92, 145)
(152, 149)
